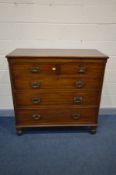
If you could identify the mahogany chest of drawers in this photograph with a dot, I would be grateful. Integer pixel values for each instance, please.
(56, 87)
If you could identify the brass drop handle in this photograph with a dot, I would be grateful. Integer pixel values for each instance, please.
(35, 84)
(76, 116)
(81, 69)
(35, 69)
(36, 116)
(79, 84)
(78, 100)
(35, 100)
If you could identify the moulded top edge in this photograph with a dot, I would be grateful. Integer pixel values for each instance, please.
(57, 53)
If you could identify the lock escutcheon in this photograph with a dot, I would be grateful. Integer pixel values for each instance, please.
(54, 68)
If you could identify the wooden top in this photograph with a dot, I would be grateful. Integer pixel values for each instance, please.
(51, 53)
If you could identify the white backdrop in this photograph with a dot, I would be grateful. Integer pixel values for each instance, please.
(58, 24)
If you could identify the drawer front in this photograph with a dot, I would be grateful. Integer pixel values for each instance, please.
(56, 116)
(86, 69)
(35, 70)
(29, 98)
(57, 83)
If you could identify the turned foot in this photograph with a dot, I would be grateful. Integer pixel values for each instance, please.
(19, 131)
(93, 130)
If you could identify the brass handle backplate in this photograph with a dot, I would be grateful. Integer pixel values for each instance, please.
(81, 69)
(76, 116)
(36, 116)
(35, 100)
(35, 69)
(79, 84)
(78, 100)
(35, 84)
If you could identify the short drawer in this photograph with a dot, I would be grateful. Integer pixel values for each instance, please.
(34, 69)
(54, 82)
(55, 116)
(31, 98)
(80, 69)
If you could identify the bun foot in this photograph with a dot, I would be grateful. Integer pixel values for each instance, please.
(93, 130)
(19, 131)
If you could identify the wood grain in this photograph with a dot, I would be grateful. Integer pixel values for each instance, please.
(78, 68)
(53, 97)
(56, 87)
(56, 82)
(55, 116)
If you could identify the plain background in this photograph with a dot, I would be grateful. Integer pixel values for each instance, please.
(58, 24)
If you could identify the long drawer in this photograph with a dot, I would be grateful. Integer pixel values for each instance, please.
(56, 116)
(54, 82)
(46, 97)
(79, 68)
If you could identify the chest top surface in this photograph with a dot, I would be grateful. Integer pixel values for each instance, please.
(57, 53)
